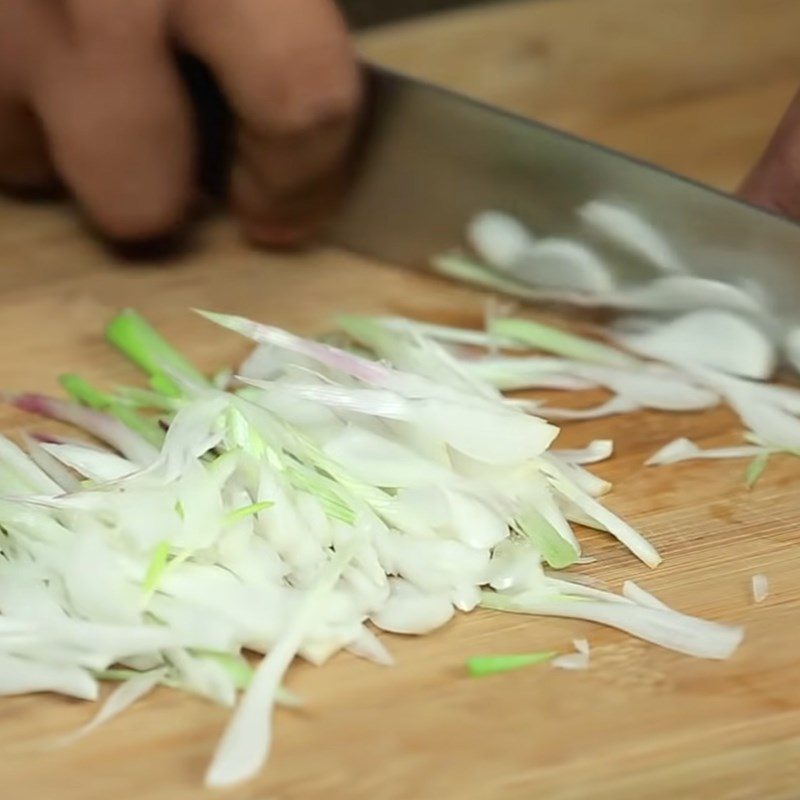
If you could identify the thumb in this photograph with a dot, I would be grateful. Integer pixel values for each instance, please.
(774, 182)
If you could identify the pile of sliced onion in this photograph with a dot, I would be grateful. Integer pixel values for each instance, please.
(320, 498)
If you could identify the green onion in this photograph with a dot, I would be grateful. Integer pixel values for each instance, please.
(555, 550)
(481, 666)
(235, 665)
(755, 469)
(117, 674)
(145, 399)
(156, 567)
(144, 346)
(84, 393)
(247, 511)
(368, 332)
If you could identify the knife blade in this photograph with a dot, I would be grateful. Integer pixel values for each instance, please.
(430, 159)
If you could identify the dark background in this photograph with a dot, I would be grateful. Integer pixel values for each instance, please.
(364, 13)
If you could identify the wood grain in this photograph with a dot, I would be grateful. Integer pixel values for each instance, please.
(694, 84)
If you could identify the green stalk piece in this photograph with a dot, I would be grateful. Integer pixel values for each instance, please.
(552, 340)
(156, 568)
(136, 339)
(368, 332)
(235, 665)
(755, 469)
(247, 511)
(84, 393)
(481, 666)
(555, 550)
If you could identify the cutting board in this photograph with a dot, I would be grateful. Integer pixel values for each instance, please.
(693, 84)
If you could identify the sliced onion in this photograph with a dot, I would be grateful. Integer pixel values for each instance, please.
(561, 264)
(628, 230)
(498, 238)
(716, 339)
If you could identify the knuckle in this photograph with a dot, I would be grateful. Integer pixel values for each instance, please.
(328, 108)
(301, 107)
(139, 222)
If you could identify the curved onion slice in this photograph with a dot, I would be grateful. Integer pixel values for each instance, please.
(684, 292)
(716, 339)
(766, 412)
(629, 231)
(597, 450)
(562, 264)
(124, 696)
(651, 387)
(410, 610)
(498, 238)
(634, 592)
(668, 293)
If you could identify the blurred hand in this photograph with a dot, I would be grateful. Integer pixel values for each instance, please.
(775, 181)
(89, 95)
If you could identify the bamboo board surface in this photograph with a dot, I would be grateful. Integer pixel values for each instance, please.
(693, 84)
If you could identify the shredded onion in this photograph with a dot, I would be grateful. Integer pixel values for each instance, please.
(295, 508)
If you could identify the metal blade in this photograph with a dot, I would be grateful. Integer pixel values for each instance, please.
(432, 159)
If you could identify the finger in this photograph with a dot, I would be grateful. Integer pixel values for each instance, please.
(24, 162)
(284, 191)
(289, 71)
(775, 180)
(116, 118)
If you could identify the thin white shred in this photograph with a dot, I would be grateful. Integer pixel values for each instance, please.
(120, 699)
(760, 588)
(368, 646)
(574, 661)
(571, 661)
(62, 475)
(616, 405)
(246, 742)
(581, 645)
(90, 462)
(669, 629)
(445, 333)
(685, 450)
(634, 592)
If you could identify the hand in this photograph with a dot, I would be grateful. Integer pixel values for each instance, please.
(775, 181)
(89, 95)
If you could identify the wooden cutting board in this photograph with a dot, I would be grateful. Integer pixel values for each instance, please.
(693, 84)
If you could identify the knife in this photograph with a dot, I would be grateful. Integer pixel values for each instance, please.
(427, 160)
(430, 159)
